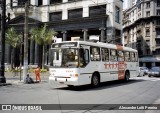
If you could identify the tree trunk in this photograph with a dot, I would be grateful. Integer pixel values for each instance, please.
(43, 57)
(12, 57)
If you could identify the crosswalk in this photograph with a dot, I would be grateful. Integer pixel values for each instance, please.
(147, 78)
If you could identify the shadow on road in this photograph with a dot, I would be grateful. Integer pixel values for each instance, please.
(104, 85)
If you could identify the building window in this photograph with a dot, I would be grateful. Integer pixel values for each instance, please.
(147, 32)
(55, 1)
(39, 2)
(148, 42)
(73, 0)
(22, 2)
(117, 35)
(147, 5)
(138, 3)
(117, 14)
(158, 42)
(158, 3)
(158, 51)
(158, 22)
(158, 12)
(148, 14)
(97, 10)
(148, 52)
(55, 16)
(75, 13)
(158, 32)
(147, 24)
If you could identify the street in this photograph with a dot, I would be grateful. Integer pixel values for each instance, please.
(139, 90)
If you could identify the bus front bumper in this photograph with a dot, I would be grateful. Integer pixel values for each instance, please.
(65, 81)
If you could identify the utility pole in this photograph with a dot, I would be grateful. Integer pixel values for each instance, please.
(25, 61)
(3, 28)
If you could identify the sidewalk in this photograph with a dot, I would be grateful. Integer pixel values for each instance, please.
(14, 78)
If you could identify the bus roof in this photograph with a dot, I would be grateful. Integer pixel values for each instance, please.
(100, 44)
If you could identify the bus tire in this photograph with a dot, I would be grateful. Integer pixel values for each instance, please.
(95, 80)
(127, 76)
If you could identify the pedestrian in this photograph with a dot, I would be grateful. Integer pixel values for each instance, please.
(29, 80)
(71, 56)
(37, 73)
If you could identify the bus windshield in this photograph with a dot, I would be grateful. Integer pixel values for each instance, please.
(65, 57)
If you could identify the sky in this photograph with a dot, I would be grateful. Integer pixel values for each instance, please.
(124, 4)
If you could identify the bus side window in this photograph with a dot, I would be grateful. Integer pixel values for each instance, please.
(133, 57)
(105, 54)
(95, 53)
(120, 56)
(127, 56)
(113, 55)
(84, 57)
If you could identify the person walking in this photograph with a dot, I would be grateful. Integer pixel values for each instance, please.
(37, 73)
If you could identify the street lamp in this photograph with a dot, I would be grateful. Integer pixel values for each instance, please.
(3, 23)
(25, 61)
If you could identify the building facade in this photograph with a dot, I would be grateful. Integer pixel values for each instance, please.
(141, 30)
(130, 3)
(82, 19)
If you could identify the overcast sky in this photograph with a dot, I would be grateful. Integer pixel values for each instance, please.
(124, 4)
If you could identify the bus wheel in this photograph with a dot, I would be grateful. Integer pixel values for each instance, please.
(95, 80)
(127, 76)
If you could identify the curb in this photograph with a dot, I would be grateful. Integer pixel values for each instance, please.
(5, 84)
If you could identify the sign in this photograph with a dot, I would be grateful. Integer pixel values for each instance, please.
(64, 45)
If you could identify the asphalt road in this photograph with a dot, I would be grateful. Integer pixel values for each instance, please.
(139, 90)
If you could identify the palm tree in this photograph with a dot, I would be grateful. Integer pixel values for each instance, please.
(13, 39)
(43, 36)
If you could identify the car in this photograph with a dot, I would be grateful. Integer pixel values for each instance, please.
(145, 69)
(154, 71)
(141, 72)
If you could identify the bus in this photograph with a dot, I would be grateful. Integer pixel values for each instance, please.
(76, 63)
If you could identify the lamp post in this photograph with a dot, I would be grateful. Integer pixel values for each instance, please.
(3, 23)
(25, 61)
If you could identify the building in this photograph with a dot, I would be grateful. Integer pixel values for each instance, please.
(130, 3)
(82, 19)
(141, 30)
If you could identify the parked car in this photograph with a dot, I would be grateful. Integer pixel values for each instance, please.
(141, 72)
(154, 71)
(145, 69)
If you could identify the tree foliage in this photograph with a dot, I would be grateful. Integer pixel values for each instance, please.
(13, 38)
(42, 35)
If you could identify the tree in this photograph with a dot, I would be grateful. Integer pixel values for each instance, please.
(43, 36)
(13, 39)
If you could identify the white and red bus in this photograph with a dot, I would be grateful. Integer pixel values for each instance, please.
(75, 63)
